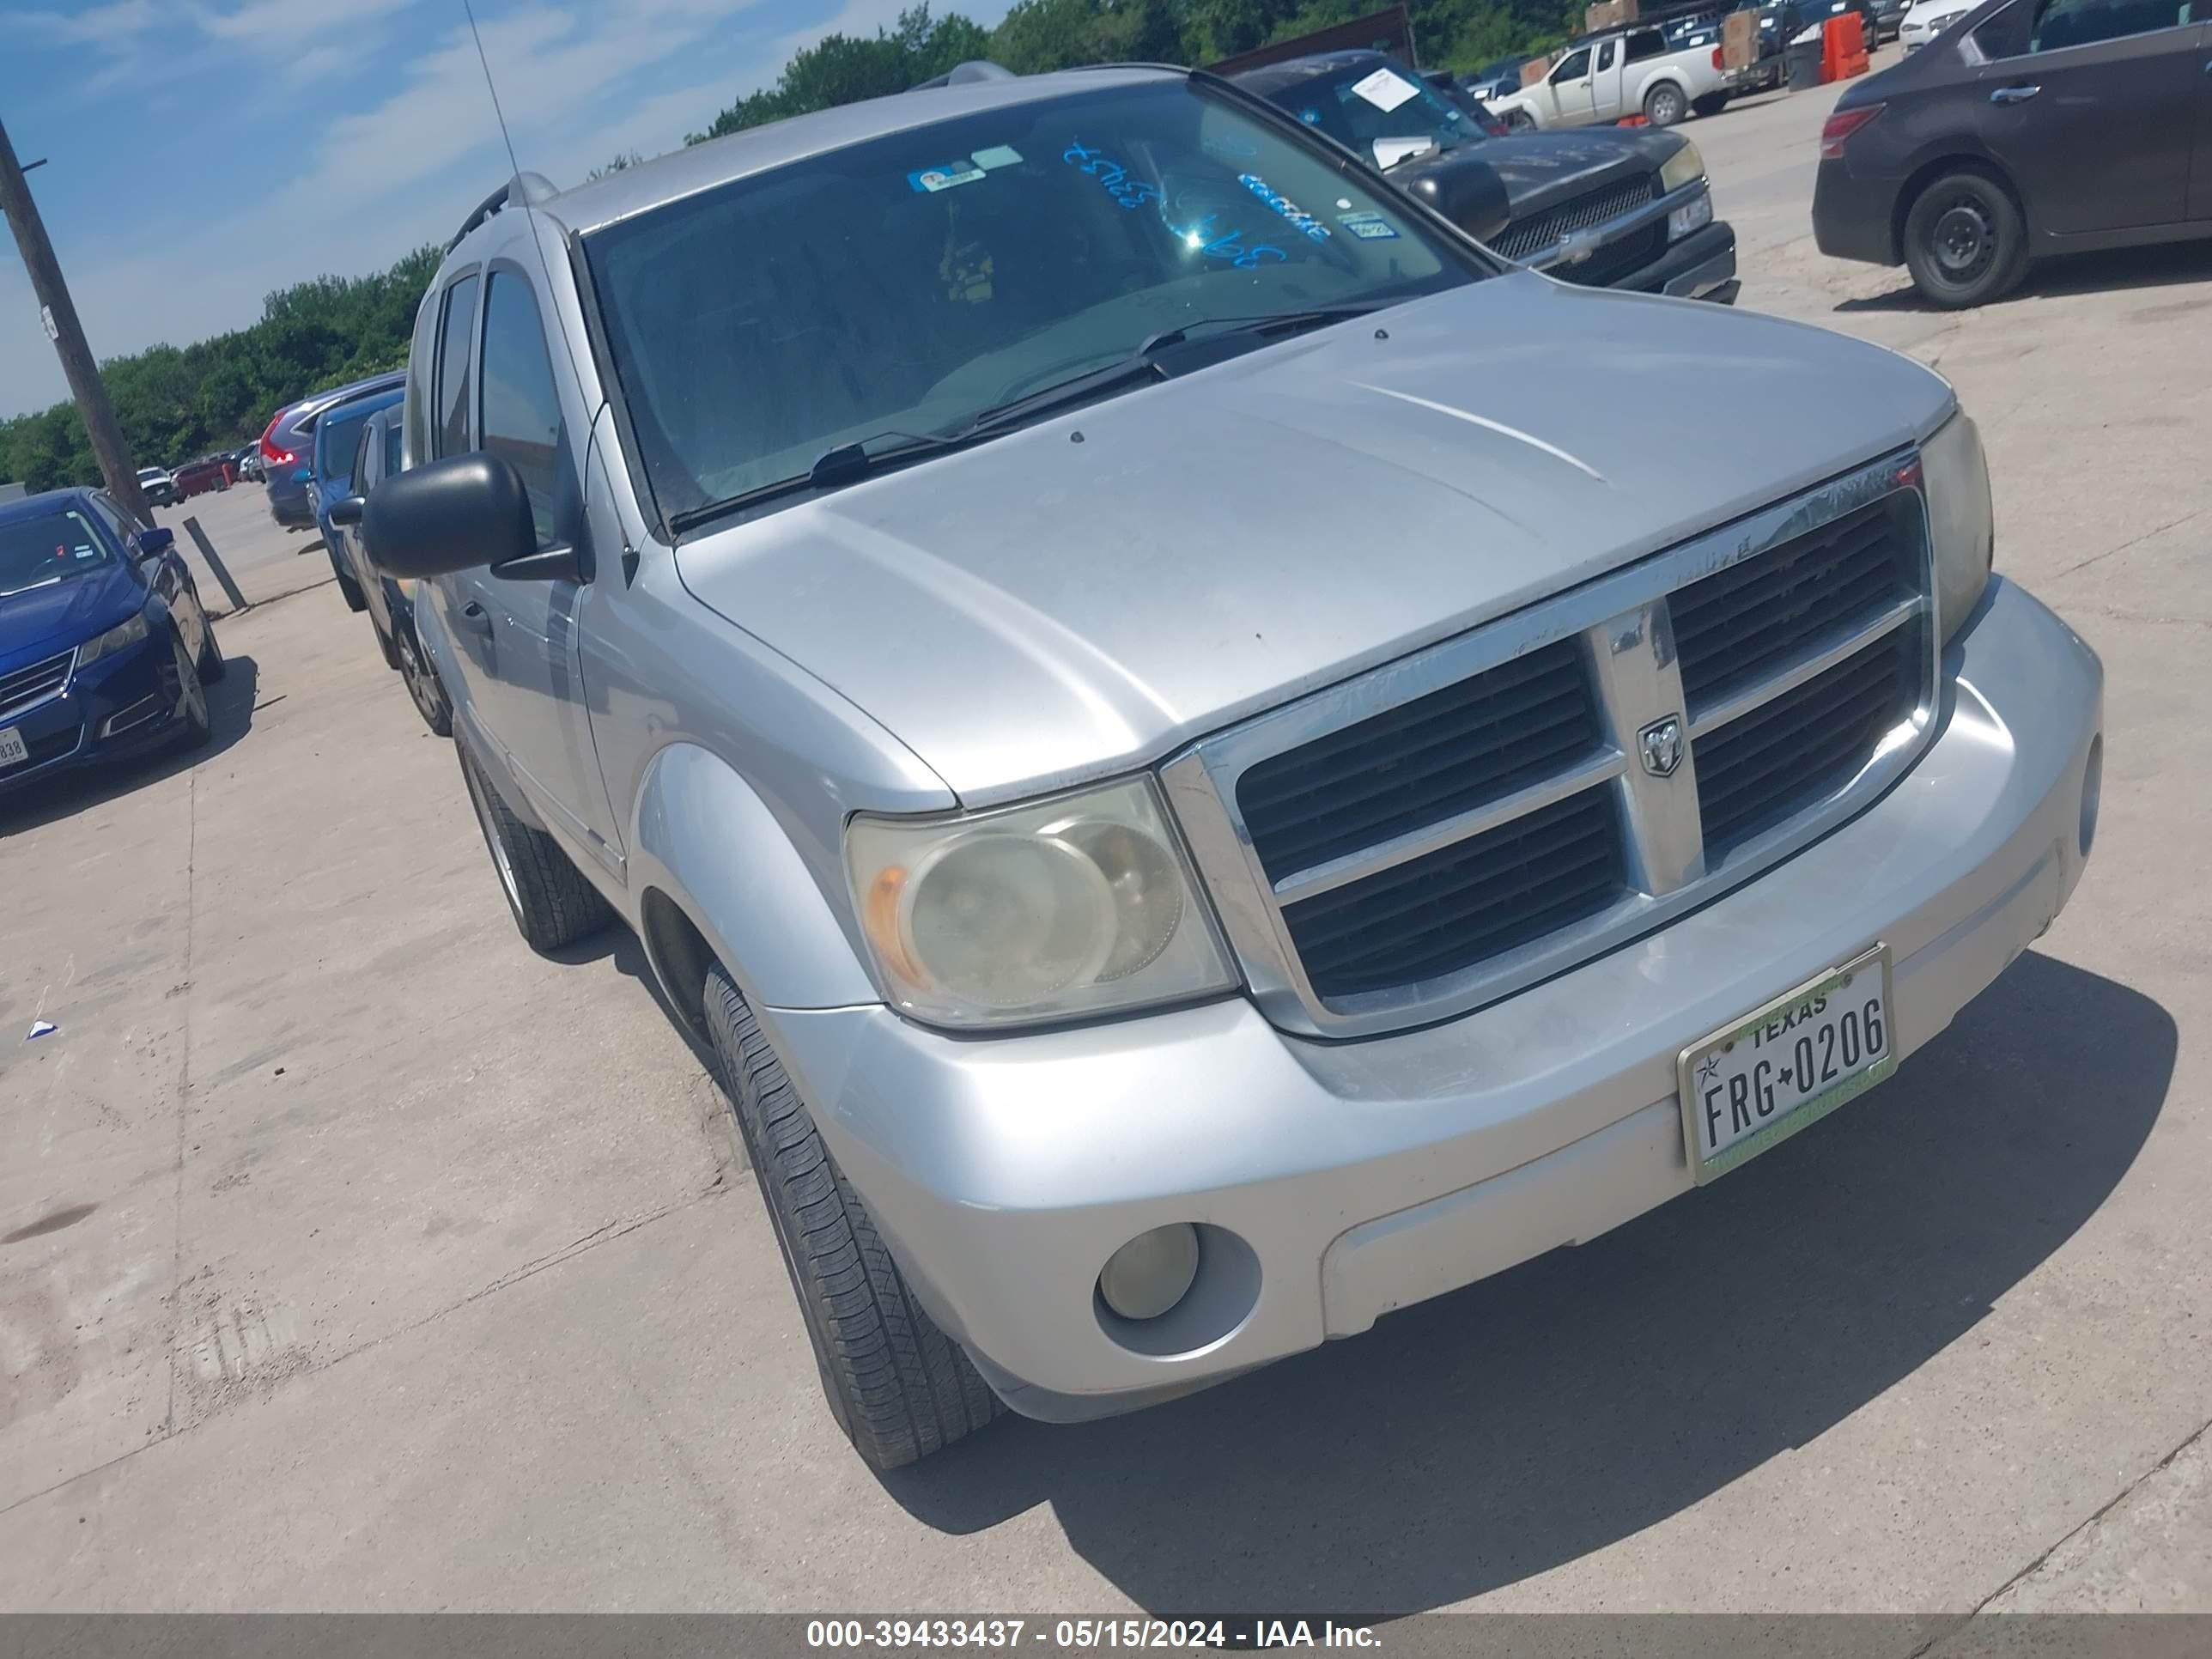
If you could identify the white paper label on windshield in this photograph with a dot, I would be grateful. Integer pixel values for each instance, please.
(1385, 88)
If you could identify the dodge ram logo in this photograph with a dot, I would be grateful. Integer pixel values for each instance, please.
(1661, 744)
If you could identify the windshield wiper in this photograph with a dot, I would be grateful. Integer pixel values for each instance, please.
(1143, 364)
(833, 468)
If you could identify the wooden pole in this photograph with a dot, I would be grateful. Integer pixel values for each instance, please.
(59, 315)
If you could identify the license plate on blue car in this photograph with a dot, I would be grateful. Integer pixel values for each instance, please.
(13, 751)
(1786, 1065)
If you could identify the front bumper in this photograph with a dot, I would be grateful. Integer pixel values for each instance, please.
(120, 706)
(1701, 266)
(1348, 1179)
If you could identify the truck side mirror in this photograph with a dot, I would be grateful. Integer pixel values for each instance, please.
(1470, 194)
(458, 513)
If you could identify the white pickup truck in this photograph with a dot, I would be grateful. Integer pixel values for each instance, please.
(1631, 71)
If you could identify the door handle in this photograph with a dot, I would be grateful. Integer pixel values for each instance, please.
(2014, 94)
(476, 619)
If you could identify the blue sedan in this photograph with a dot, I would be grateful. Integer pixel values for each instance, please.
(105, 648)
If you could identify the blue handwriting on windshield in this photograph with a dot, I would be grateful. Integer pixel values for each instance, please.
(1308, 227)
(1232, 248)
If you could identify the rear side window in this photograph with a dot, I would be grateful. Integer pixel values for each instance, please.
(2063, 23)
(522, 423)
(1646, 43)
(358, 484)
(452, 429)
(1605, 55)
(391, 460)
(419, 371)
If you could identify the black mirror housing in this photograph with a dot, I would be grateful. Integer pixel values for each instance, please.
(459, 514)
(1469, 192)
(150, 543)
(346, 512)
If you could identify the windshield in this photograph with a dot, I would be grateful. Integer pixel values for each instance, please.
(337, 435)
(1363, 104)
(146, 473)
(910, 282)
(47, 549)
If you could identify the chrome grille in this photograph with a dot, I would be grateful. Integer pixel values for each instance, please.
(1533, 237)
(1459, 823)
(21, 687)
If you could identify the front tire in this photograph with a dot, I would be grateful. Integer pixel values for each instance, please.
(1519, 120)
(551, 903)
(1966, 242)
(348, 589)
(211, 666)
(196, 721)
(899, 1388)
(1664, 105)
(423, 686)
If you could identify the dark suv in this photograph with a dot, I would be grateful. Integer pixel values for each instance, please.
(288, 449)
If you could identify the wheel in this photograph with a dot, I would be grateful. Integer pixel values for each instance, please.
(552, 902)
(1712, 104)
(212, 666)
(196, 724)
(899, 1388)
(423, 686)
(1519, 120)
(1966, 243)
(1664, 105)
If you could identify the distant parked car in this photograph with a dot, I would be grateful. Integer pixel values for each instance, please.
(1494, 81)
(288, 449)
(1636, 70)
(159, 487)
(1923, 20)
(390, 602)
(197, 478)
(249, 463)
(337, 440)
(2028, 128)
(105, 648)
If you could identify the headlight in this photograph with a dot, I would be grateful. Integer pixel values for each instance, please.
(1693, 215)
(1684, 167)
(1961, 520)
(115, 639)
(1074, 906)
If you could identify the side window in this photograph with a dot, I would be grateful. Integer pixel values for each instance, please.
(1605, 55)
(522, 423)
(1573, 67)
(451, 435)
(392, 458)
(420, 369)
(2063, 23)
(357, 481)
(1646, 43)
(112, 514)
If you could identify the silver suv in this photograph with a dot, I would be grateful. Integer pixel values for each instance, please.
(1189, 823)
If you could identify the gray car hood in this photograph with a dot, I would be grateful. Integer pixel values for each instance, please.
(1039, 611)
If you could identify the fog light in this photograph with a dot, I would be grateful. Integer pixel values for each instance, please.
(1152, 1273)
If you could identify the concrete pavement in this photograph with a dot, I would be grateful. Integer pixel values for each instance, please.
(353, 1257)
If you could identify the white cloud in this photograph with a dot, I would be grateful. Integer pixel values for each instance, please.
(107, 24)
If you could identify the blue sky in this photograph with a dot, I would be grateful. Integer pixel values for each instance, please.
(203, 152)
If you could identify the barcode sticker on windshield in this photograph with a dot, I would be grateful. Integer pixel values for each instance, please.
(1385, 88)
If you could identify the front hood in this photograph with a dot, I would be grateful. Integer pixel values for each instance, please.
(1038, 610)
(41, 621)
(1540, 170)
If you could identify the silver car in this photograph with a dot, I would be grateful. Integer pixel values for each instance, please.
(1206, 768)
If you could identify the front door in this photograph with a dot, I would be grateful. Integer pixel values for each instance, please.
(538, 709)
(1571, 90)
(2095, 114)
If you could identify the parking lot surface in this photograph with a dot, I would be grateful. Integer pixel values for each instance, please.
(351, 1256)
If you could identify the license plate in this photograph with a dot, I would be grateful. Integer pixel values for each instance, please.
(1786, 1065)
(13, 751)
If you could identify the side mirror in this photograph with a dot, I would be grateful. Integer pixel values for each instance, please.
(458, 513)
(1470, 194)
(151, 544)
(347, 510)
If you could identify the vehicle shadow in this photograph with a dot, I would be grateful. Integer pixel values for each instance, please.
(615, 942)
(230, 711)
(1474, 1441)
(2114, 270)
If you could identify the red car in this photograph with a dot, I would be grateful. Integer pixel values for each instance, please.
(196, 477)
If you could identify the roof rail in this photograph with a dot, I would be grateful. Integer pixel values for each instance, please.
(975, 69)
(533, 187)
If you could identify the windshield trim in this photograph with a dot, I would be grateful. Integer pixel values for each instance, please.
(1451, 242)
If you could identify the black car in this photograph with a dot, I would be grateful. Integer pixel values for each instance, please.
(390, 608)
(2029, 127)
(1599, 207)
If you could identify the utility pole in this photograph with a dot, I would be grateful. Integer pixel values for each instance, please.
(59, 315)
